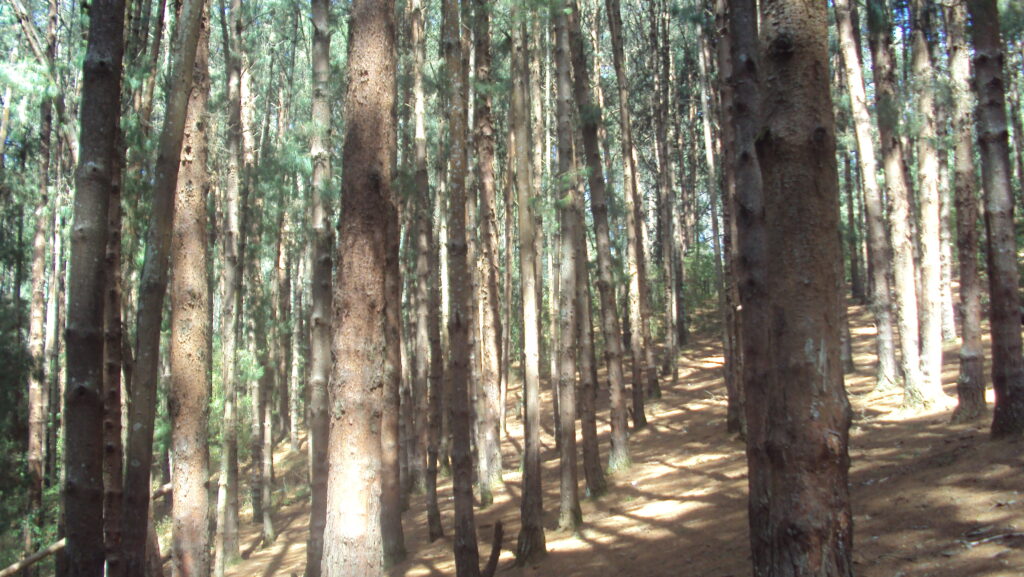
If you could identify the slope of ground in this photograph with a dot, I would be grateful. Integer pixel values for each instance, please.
(929, 498)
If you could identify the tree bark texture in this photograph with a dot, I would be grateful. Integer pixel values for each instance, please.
(352, 536)
(190, 334)
(879, 250)
(970, 385)
(993, 139)
(321, 292)
(801, 519)
(83, 407)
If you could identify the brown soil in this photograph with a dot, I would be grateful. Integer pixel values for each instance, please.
(929, 498)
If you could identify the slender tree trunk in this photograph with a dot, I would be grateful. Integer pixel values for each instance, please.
(37, 389)
(83, 407)
(852, 241)
(423, 219)
(531, 543)
(461, 303)
(391, 487)
(929, 206)
(803, 442)
(226, 540)
(879, 251)
(634, 252)
(489, 443)
(590, 118)
(1004, 318)
(880, 30)
(190, 334)
(970, 385)
(570, 516)
(352, 536)
(321, 292)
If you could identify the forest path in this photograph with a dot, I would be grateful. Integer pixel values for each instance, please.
(929, 498)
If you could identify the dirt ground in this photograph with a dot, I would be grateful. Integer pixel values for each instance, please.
(929, 498)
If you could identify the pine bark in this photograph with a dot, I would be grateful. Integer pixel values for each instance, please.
(634, 251)
(590, 120)
(531, 542)
(570, 516)
(321, 291)
(915, 391)
(467, 561)
(929, 204)
(879, 250)
(800, 514)
(970, 385)
(993, 140)
(83, 408)
(352, 537)
(190, 334)
(489, 438)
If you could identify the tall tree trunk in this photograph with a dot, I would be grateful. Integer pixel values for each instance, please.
(879, 251)
(970, 385)
(590, 119)
(424, 220)
(570, 516)
(391, 487)
(153, 287)
(489, 443)
(666, 189)
(531, 543)
(803, 443)
(753, 266)
(880, 31)
(83, 407)
(461, 303)
(852, 240)
(37, 389)
(321, 292)
(226, 541)
(190, 334)
(352, 536)
(1004, 318)
(929, 206)
(634, 252)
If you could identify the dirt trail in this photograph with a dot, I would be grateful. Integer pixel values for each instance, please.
(929, 498)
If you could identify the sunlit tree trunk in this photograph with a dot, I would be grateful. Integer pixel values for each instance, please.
(190, 334)
(1007, 362)
(896, 182)
(929, 205)
(970, 385)
(320, 292)
(352, 537)
(877, 239)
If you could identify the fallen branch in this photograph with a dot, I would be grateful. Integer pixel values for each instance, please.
(33, 559)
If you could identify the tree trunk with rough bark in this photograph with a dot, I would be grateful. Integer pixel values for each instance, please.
(83, 407)
(879, 251)
(353, 537)
(590, 119)
(321, 292)
(993, 138)
(970, 385)
(190, 334)
(531, 543)
(800, 508)
(489, 438)
(570, 516)
(915, 391)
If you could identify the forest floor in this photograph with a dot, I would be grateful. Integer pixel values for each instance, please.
(929, 498)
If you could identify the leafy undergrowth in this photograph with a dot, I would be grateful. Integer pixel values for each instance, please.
(929, 497)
